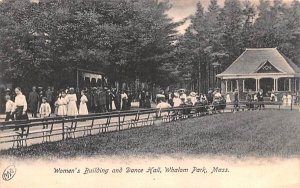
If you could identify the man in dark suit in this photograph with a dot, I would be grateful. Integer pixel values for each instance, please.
(96, 100)
(109, 99)
(102, 100)
(260, 99)
(33, 101)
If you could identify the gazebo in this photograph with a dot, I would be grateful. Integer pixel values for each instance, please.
(261, 68)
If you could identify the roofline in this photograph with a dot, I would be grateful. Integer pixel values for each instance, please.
(261, 48)
(245, 52)
(222, 76)
(288, 61)
(235, 60)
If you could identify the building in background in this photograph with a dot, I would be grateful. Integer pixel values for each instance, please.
(261, 68)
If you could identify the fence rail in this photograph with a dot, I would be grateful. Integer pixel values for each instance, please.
(18, 132)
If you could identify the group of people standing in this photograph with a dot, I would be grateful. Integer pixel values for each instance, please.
(175, 99)
(182, 100)
(65, 105)
(105, 99)
(144, 99)
(17, 109)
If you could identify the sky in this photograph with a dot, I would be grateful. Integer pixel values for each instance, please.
(184, 8)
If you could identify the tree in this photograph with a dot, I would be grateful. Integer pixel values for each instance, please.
(44, 42)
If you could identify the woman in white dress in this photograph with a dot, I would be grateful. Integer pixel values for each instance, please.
(228, 98)
(284, 99)
(289, 99)
(176, 100)
(124, 103)
(193, 97)
(20, 106)
(83, 110)
(61, 104)
(72, 106)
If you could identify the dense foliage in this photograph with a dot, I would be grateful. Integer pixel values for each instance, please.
(43, 43)
(218, 35)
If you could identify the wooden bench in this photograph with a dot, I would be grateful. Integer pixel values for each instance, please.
(149, 120)
(134, 121)
(85, 125)
(104, 126)
(70, 129)
(13, 135)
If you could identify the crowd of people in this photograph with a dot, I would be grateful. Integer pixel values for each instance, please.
(71, 102)
(68, 102)
(182, 99)
(64, 102)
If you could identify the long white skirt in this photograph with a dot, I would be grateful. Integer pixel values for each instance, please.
(72, 109)
(83, 110)
(289, 100)
(62, 110)
(284, 101)
(113, 106)
(228, 99)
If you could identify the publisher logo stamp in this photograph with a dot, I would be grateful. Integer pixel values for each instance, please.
(9, 173)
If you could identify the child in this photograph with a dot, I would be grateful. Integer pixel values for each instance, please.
(9, 108)
(45, 109)
(83, 107)
(61, 104)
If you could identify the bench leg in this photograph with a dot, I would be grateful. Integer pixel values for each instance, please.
(84, 130)
(89, 130)
(131, 124)
(48, 134)
(14, 142)
(44, 138)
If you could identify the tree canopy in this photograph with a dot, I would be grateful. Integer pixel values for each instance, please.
(218, 35)
(43, 43)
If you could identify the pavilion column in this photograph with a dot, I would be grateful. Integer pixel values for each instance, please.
(231, 85)
(237, 85)
(290, 84)
(243, 85)
(274, 84)
(257, 84)
(226, 86)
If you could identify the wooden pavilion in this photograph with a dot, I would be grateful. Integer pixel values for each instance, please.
(261, 68)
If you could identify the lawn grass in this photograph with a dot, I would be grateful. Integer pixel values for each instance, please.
(244, 134)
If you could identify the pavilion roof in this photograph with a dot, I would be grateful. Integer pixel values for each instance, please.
(257, 60)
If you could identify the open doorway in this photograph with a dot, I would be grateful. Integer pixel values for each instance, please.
(266, 84)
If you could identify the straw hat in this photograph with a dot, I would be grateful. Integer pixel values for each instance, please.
(160, 96)
(193, 94)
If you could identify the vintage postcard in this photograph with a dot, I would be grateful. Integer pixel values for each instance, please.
(150, 93)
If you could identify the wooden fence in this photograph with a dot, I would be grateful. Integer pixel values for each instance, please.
(18, 132)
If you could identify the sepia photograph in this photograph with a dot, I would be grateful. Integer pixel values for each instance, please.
(150, 93)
